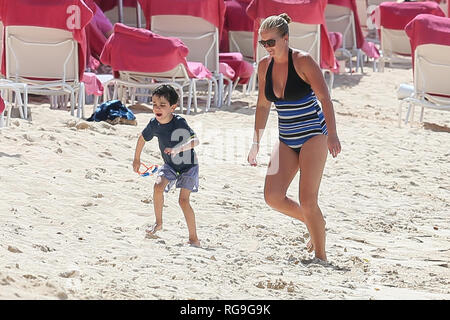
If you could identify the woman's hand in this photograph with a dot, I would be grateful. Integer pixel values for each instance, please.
(334, 146)
(252, 154)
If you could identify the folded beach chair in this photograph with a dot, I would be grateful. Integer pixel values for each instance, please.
(142, 59)
(198, 23)
(342, 16)
(430, 44)
(393, 17)
(307, 31)
(45, 47)
(238, 29)
(236, 45)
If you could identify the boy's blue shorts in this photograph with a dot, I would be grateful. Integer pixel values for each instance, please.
(187, 180)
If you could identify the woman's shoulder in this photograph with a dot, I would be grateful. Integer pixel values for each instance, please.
(300, 55)
(302, 59)
(264, 63)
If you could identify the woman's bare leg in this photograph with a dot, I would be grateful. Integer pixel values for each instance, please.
(283, 166)
(312, 158)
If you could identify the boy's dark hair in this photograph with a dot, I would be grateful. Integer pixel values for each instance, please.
(167, 92)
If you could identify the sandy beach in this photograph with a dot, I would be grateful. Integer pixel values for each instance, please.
(73, 212)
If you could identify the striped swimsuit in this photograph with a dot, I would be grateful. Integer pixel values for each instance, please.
(299, 115)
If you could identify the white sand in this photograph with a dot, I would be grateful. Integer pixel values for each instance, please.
(73, 213)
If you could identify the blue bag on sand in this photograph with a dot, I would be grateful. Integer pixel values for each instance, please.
(113, 111)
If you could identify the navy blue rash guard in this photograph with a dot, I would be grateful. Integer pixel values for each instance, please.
(169, 135)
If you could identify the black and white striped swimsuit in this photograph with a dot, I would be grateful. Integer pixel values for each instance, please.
(300, 117)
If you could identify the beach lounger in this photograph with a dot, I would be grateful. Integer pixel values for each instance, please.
(143, 59)
(430, 44)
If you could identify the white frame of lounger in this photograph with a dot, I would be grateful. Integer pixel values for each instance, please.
(166, 25)
(68, 81)
(178, 77)
(344, 23)
(7, 89)
(429, 59)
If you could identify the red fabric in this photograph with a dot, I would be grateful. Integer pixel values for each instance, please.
(396, 16)
(96, 40)
(241, 68)
(2, 105)
(140, 50)
(428, 28)
(236, 19)
(210, 10)
(92, 84)
(107, 5)
(49, 14)
(302, 11)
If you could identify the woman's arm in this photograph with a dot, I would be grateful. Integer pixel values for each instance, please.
(261, 113)
(310, 71)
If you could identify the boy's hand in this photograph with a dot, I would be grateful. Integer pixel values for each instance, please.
(172, 151)
(136, 165)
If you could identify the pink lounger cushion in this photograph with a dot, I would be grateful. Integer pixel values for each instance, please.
(140, 50)
(428, 29)
(210, 10)
(396, 16)
(240, 67)
(92, 84)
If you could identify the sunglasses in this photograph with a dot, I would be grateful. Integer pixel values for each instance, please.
(267, 43)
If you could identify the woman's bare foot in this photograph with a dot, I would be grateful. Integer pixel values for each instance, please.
(194, 243)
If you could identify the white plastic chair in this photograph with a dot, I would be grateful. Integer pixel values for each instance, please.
(395, 47)
(431, 80)
(341, 19)
(202, 39)
(46, 60)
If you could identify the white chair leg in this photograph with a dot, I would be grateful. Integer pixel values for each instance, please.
(80, 111)
(194, 93)
(25, 101)
(208, 99)
(188, 110)
(220, 90)
(421, 114)
(407, 113)
(72, 103)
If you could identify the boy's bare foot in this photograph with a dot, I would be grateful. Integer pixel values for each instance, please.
(309, 246)
(152, 229)
(195, 243)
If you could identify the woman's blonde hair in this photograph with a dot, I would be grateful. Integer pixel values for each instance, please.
(279, 22)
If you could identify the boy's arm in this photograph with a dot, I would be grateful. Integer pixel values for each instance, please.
(137, 154)
(190, 144)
